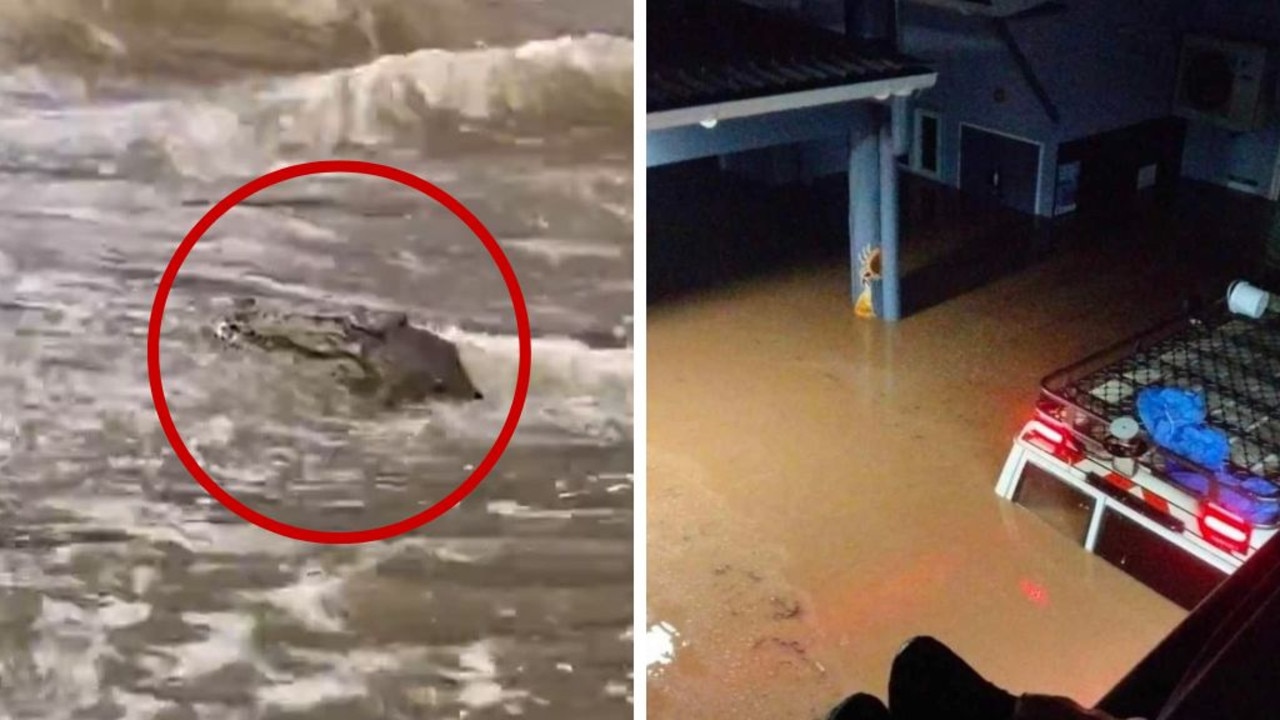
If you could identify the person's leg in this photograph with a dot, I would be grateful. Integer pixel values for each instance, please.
(1054, 707)
(860, 707)
(928, 682)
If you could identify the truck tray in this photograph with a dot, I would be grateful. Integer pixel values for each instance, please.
(1232, 361)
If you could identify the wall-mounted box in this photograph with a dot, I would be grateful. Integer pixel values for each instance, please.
(1227, 83)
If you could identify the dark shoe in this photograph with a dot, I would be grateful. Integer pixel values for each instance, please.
(929, 682)
(860, 707)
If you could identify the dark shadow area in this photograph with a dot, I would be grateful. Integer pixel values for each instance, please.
(710, 229)
(1195, 671)
(953, 243)
(1161, 566)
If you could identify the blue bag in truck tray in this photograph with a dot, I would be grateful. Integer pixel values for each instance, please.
(1175, 420)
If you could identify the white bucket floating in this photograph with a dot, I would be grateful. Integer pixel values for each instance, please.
(1248, 300)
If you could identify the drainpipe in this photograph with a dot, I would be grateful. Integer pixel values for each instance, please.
(897, 145)
(872, 21)
(900, 109)
(899, 24)
(890, 297)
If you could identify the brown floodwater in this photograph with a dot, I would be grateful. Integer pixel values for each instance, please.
(821, 488)
(126, 592)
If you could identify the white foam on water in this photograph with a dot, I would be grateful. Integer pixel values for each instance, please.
(137, 706)
(544, 86)
(345, 675)
(511, 508)
(115, 613)
(660, 645)
(558, 251)
(70, 643)
(565, 369)
(308, 692)
(478, 674)
(229, 640)
(540, 81)
(305, 693)
(314, 600)
(159, 524)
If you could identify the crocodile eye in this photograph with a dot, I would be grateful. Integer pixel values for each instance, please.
(227, 330)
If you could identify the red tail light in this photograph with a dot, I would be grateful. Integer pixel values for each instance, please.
(1061, 446)
(1045, 432)
(1224, 529)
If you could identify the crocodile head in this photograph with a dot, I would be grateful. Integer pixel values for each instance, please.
(377, 354)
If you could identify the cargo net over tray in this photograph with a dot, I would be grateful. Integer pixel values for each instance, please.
(1232, 362)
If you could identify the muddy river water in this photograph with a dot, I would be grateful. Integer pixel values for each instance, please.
(125, 590)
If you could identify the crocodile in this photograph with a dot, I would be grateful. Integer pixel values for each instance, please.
(382, 356)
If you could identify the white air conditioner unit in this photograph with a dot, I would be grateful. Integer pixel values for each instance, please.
(1224, 82)
(988, 8)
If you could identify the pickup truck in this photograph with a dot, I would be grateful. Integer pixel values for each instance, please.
(1085, 462)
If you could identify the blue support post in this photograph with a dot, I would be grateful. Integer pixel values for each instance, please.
(864, 199)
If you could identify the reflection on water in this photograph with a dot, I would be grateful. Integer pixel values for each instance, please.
(127, 592)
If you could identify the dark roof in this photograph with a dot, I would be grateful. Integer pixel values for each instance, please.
(703, 52)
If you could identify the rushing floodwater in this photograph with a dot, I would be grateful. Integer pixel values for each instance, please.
(125, 591)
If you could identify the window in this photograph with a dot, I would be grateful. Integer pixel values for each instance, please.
(927, 151)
